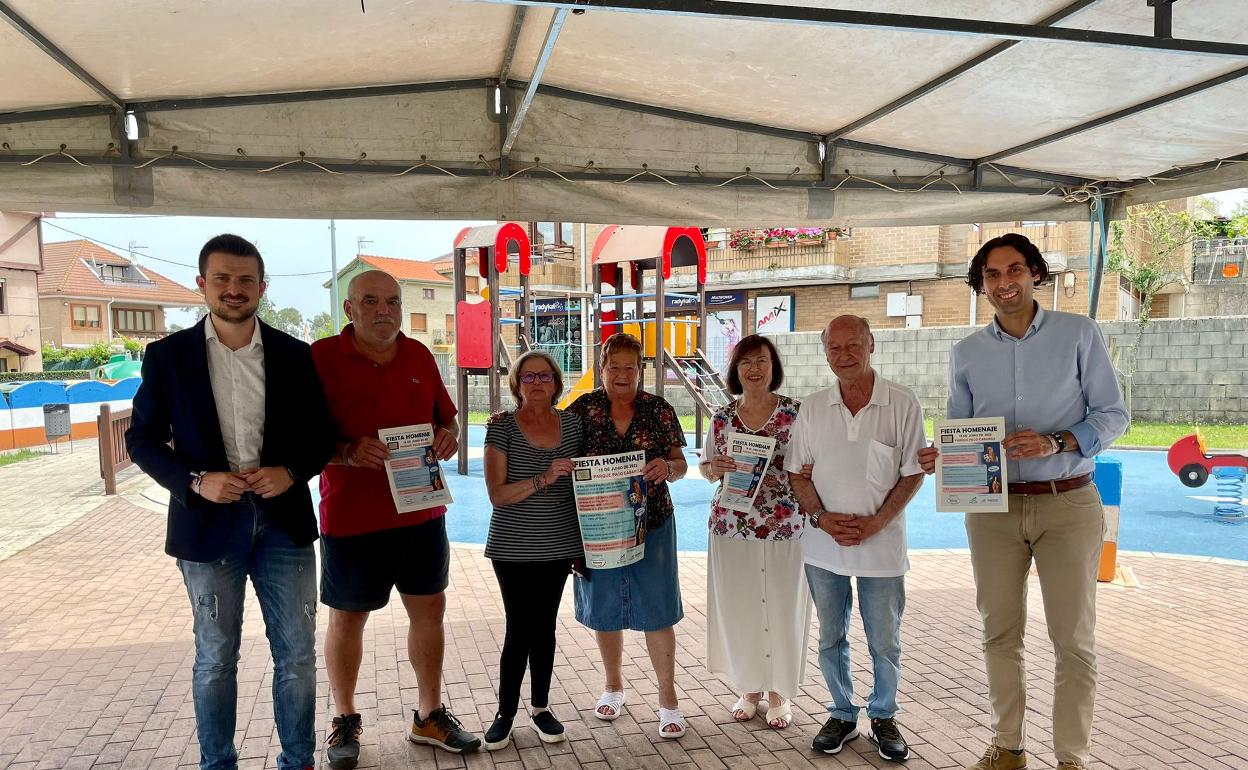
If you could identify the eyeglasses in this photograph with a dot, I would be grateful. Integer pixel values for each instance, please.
(528, 378)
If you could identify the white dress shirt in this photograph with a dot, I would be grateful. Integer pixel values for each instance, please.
(237, 378)
(858, 459)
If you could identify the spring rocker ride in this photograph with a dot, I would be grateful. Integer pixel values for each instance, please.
(1189, 458)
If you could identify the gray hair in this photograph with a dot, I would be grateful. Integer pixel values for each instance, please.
(513, 379)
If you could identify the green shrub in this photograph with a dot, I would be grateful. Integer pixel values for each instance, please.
(68, 374)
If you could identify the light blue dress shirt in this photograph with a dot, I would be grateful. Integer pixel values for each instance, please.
(1057, 377)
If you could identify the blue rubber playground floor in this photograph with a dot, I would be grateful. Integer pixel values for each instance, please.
(1157, 514)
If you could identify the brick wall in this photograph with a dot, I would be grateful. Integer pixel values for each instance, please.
(1186, 370)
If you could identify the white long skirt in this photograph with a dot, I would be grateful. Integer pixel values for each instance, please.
(757, 613)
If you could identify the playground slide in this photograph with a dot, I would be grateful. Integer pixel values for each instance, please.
(583, 385)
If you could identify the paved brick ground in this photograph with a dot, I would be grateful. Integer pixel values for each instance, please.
(95, 654)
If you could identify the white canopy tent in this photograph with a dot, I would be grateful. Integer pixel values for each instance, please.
(675, 112)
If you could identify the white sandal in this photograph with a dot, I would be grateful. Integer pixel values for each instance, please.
(782, 714)
(747, 707)
(669, 717)
(611, 700)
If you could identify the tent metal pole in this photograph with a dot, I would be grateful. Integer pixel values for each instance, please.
(543, 58)
(948, 77)
(833, 17)
(60, 57)
(1113, 117)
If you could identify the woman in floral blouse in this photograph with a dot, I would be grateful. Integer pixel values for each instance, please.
(758, 606)
(644, 596)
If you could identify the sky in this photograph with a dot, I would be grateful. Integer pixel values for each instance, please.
(296, 251)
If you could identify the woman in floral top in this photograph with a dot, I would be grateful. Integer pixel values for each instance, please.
(758, 607)
(644, 596)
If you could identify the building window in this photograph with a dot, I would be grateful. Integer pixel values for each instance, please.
(85, 316)
(134, 320)
(565, 233)
(546, 232)
(419, 322)
(426, 293)
(113, 272)
(450, 322)
(3, 305)
(865, 291)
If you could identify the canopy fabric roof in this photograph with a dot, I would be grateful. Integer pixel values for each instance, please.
(673, 112)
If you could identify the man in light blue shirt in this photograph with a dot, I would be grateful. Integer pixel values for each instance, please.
(1049, 375)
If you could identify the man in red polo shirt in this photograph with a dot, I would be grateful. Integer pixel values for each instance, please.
(376, 377)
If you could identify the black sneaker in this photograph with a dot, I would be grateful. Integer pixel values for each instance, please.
(443, 730)
(888, 738)
(343, 744)
(499, 735)
(549, 729)
(833, 735)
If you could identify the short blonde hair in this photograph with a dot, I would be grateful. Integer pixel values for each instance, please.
(621, 342)
(513, 379)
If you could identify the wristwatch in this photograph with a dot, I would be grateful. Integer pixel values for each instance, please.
(197, 480)
(1059, 439)
(814, 517)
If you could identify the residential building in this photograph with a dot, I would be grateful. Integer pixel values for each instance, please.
(88, 293)
(428, 291)
(20, 263)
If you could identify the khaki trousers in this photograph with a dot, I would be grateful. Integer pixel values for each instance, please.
(1063, 534)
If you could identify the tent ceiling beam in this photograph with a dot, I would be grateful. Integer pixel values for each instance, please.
(693, 117)
(517, 24)
(840, 182)
(539, 68)
(1118, 115)
(289, 97)
(898, 21)
(59, 113)
(953, 74)
(666, 112)
(60, 57)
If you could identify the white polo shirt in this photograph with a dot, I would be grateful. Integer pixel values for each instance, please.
(857, 461)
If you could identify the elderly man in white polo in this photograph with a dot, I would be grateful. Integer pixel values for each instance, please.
(862, 437)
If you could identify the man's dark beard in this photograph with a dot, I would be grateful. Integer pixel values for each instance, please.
(222, 312)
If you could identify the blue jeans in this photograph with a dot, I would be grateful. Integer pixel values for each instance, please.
(284, 577)
(881, 600)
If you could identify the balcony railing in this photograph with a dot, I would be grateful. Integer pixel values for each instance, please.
(728, 260)
(1048, 238)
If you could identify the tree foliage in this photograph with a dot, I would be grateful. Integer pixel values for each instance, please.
(1149, 249)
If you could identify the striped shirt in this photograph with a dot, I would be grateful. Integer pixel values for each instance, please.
(543, 526)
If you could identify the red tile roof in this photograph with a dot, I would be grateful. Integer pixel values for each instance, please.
(405, 269)
(67, 272)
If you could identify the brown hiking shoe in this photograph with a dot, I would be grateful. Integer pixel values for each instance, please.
(443, 730)
(1070, 766)
(997, 758)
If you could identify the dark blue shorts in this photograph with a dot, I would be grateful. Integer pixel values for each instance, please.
(359, 572)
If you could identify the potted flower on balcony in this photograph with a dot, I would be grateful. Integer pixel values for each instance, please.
(778, 237)
(810, 236)
(744, 239)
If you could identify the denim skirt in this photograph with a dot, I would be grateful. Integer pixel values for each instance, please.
(644, 596)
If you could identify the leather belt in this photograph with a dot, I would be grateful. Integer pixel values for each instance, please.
(1050, 487)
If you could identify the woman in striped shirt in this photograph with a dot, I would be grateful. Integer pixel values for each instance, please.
(534, 535)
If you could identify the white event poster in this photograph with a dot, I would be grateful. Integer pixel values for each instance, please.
(970, 469)
(752, 454)
(610, 497)
(413, 471)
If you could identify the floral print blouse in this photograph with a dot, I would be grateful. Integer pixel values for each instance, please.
(776, 514)
(655, 428)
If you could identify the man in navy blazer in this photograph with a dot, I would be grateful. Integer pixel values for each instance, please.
(231, 419)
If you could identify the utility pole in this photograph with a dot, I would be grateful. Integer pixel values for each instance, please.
(335, 307)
